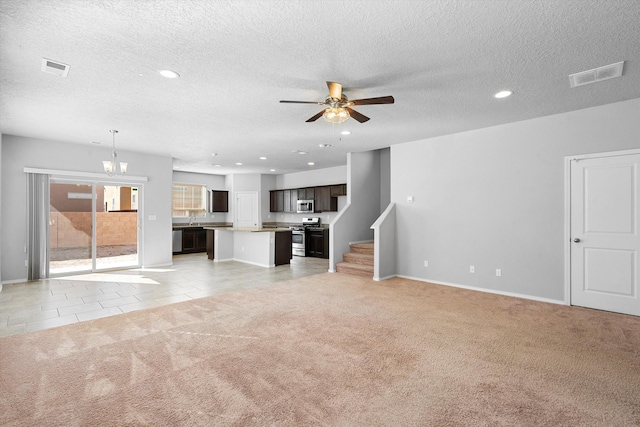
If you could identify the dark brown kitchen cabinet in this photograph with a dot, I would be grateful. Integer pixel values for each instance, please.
(286, 200)
(219, 201)
(294, 200)
(210, 240)
(323, 201)
(318, 243)
(309, 193)
(283, 250)
(325, 198)
(276, 201)
(338, 190)
(194, 239)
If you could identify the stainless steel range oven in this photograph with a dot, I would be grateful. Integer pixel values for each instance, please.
(298, 247)
(299, 236)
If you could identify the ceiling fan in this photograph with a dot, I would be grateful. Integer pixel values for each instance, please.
(339, 107)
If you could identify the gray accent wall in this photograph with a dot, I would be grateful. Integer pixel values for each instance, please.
(494, 198)
(21, 152)
(353, 223)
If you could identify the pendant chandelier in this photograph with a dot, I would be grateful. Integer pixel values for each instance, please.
(110, 166)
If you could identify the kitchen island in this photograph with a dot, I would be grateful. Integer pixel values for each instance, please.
(264, 247)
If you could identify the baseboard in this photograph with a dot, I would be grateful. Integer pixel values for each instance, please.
(489, 291)
(379, 279)
(245, 262)
(11, 282)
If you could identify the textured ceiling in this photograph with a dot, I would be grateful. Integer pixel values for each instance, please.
(441, 60)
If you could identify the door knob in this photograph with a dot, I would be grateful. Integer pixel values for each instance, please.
(576, 240)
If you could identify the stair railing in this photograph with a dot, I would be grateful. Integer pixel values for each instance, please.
(384, 243)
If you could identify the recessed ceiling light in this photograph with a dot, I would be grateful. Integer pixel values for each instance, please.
(263, 158)
(95, 142)
(272, 170)
(325, 145)
(169, 74)
(311, 164)
(345, 132)
(218, 166)
(503, 94)
(299, 152)
(238, 164)
(214, 154)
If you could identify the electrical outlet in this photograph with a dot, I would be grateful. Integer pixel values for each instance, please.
(426, 263)
(498, 272)
(472, 269)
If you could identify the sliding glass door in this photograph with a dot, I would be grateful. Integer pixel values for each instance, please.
(70, 227)
(92, 226)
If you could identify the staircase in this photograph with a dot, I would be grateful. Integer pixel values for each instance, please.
(359, 261)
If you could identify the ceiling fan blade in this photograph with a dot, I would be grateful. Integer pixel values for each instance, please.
(371, 101)
(316, 117)
(303, 102)
(359, 117)
(335, 90)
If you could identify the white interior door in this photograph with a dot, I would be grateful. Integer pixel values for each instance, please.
(605, 243)
(246, 209)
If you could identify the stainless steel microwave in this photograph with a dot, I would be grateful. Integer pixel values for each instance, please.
(305, 206)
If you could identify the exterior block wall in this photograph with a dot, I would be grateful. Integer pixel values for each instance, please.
(73, 229)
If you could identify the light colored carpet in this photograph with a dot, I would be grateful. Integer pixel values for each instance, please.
(330, 350)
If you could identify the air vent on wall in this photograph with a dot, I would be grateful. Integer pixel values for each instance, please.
(596, 75)
(53, 67)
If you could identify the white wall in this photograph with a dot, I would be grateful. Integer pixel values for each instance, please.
(494, 198)
(213, 182)
(312, 178)
(385, 178)
(20, 152)
(1, 203)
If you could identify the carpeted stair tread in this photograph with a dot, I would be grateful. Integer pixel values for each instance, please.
(358, 258)
(362, 248)
(355, 269)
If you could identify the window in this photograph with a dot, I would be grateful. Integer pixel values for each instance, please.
(189, 200)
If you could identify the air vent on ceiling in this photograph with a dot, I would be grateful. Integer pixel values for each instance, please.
(54, 67)
(596, 75)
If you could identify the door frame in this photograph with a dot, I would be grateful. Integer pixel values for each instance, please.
(112, 181)
(568, 161)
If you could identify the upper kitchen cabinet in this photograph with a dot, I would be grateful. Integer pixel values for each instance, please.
(219, 201)
(324, 202)
(325, 198)
(338, 190)
(294, 201)
(308, 193)
(276, 201)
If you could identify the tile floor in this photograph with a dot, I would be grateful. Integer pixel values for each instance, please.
(31, 306)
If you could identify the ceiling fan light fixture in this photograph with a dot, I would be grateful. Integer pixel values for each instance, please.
(336, 115)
